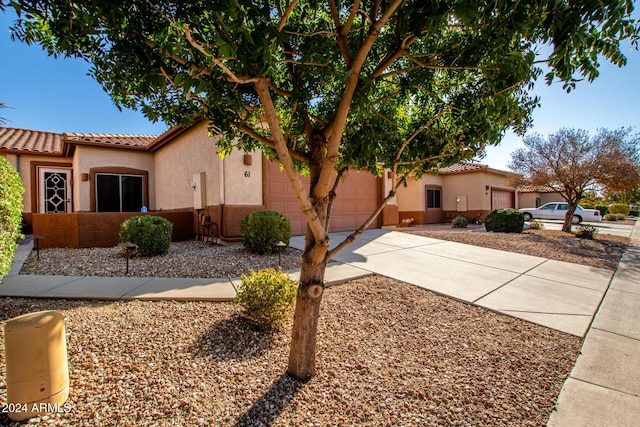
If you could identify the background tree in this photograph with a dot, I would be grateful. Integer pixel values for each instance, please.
(324, 85)
(572, 163)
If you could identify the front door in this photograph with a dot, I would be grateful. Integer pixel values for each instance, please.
(54, 190)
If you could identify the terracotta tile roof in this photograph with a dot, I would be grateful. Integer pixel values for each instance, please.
(536, 189)
(462, 167)
(132, 141)
(31, 141)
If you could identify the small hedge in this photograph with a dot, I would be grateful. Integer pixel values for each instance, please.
(152, 234)
(536, 225)
(604, 209)
(11, 207)
(505, 220)
(262, 230)
(459, 222)
(619, 208)
(267, 297)
(586, 232)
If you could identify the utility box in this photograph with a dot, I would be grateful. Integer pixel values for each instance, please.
(36, 364)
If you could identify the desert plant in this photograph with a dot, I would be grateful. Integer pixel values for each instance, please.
(262, 230)
(587, 204)
(505, 220)
(11, 190)
(586, 232)
(619, 208)
(621, 216)
(610, 217)
(459, 222)
(152, 234)
(536, 225)
(604, 209)
(267, 297)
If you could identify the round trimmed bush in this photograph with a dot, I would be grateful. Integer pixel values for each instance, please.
(152, 234)
(459, 222)
(619, 208)
(505, 220)
(11, 190)
(604, 209)
(267, 297)
(262, 230)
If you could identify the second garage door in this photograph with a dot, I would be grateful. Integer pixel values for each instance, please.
(357, 197)
(502, 199)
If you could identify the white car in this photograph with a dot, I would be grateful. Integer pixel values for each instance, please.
(558, 210)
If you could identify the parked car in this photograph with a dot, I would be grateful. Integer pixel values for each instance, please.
(558, 210)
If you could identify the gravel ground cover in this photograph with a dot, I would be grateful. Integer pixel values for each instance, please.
(604, 251)
(388, 354)
(191, 258)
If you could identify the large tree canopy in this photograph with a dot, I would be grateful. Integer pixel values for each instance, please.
(573, 163)
(325, 85)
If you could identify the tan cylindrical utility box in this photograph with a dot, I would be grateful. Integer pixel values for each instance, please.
(36, 364)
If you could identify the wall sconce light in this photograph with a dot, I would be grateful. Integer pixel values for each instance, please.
(84, 177)
(248, 159)
(192, 184)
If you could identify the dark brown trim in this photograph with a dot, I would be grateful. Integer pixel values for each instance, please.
(120, 171)
(33, 170)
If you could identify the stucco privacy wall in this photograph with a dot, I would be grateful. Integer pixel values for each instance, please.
(86, 158)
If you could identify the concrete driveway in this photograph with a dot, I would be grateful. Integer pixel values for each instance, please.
(554, 294)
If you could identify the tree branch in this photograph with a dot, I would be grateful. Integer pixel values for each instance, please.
(313, 221)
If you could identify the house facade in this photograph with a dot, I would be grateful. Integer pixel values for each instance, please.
(467, 189)
(533, 196)
(80, 187)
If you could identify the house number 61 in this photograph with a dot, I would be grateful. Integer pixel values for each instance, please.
(247, 174)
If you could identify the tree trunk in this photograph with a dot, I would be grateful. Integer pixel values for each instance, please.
(302, 355)
(568, 219)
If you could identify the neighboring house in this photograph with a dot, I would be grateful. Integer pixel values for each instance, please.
(533, 196)
(80, 187)
(467, 189)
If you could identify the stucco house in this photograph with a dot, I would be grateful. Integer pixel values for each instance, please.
(469, 189)
(80, 187)
(533, 196)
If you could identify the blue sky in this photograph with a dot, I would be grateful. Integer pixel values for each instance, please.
(57, 95)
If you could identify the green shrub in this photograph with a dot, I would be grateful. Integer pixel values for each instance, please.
(604, 209)
(459, 222)
(621, 216)
(610, 217)
(587, 204)
(152, 234)
(586, 232)
(634, 213)
(11, 207)
(505, 220)
(619, 208)
(267, 296)
(536, 225)
(261, 230)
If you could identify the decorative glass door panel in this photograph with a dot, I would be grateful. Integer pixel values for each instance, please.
(55, 195)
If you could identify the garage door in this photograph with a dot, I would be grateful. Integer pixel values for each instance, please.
(357, 198)
(502, 199)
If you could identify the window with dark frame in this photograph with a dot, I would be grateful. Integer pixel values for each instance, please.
(433, 198)
(119, 193)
